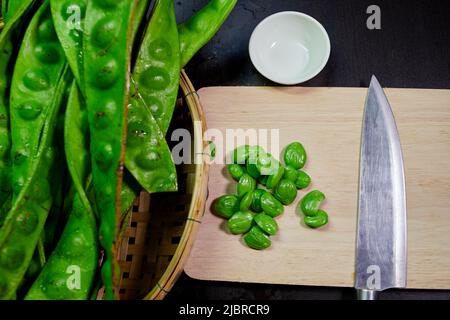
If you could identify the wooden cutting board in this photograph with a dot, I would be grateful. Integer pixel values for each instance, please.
(328, 122)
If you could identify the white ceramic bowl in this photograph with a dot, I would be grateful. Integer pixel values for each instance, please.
(289, 47)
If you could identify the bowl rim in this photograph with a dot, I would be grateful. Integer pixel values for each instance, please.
(303, 16)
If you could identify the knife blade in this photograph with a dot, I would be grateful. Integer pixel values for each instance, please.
(381, 246)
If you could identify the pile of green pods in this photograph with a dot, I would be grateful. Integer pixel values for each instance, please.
(87, 92)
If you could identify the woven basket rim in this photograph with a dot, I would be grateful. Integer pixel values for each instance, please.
(197, 206)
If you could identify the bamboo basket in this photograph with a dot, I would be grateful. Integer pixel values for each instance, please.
(162, 228)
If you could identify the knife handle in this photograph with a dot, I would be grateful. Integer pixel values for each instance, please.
(363, 294)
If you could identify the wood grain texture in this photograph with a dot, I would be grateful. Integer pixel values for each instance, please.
(328, 122)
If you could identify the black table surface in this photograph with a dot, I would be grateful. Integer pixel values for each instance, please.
(412, 50)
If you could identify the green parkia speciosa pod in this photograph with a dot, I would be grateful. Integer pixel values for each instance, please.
(295, 155)
(317, 221)
(275, 178)
(257, 239)
(246, 201)
(310, 203)
(285, 191)
(290, 174)
(246, 184)
(240, 222)
(226, 206)
(201, 27)
(256, 203)
(236, 171)
(271, 206)
(266, 223)
(240, 154)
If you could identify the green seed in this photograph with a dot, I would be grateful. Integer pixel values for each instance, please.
(257, 239)
(266, 223)
(256, 203)
(310, 203)
(303, 180)
(236, 171)
(240, 154)
(263, 180)
(295, 155)
(290, 174)
(240, 222)
(246, 184)
(246, 201)
(226, 206)
(317, 221)
(271, 206)
(286, 192)
(252, 170)
(274, 179)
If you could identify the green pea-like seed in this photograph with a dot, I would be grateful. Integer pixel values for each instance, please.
(303, 180)
(27, 222)
(155, 106)
(36, 80)
(290, 174)
(30, 110)
(47, 53)
(252, 170)
(295, 155)
(107, 74)
(155, 78)
(240, 154)
(160, 49)
(257, 155)
(12, 256)
(311, 202)
(104, 156)
(266, 223)
(105, 32)
(41, 191)
(46, 31)
(274, 179)
(137, 133)
(256, 203)
(317, 221)
(104, 115)
(236, 171)
(226, 206)
(286, 191)
(271, 206)
(246, 184)
(257, 239)
(263, 180)
(148, 159)
(240, 222)
(77, 245)
(246, 201)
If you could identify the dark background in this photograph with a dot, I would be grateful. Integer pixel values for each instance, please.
(412, 50)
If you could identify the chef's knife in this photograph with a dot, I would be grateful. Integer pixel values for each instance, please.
(381, 231)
